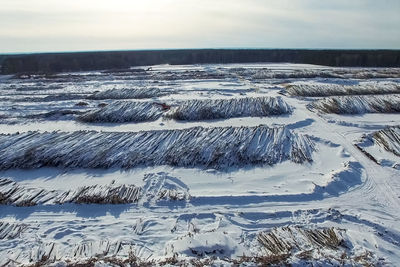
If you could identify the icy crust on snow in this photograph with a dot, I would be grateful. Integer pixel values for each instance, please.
(358, 104)
(123, 111)
(136, 93)
(218, 147)
(331, 89)
(207, 109)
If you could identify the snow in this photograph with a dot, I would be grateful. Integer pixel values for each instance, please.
(221, 190)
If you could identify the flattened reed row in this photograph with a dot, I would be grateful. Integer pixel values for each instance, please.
(389, 139)
(122, 111)
(358, 104)
(12, 193)
(218, 147)
(128, 93)
(207, 109)
(191, 110)
(318, 90)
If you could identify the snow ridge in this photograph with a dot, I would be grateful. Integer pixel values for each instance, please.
(358, 104)
(193, 110)
(218, 147)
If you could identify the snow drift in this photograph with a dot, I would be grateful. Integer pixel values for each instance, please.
(358, 104)
(193, 110)
(218, 147)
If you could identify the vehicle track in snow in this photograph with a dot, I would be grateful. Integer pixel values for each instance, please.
(375, 183)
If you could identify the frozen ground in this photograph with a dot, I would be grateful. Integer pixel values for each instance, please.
(201, 165)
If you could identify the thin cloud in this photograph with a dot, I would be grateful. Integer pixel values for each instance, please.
(55, 25)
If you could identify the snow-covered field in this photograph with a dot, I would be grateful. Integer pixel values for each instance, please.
(201, 165)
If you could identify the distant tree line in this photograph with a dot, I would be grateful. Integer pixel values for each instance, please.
(83, 61)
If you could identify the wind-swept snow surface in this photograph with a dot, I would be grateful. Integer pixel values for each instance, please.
(201, 165)
(203, 147)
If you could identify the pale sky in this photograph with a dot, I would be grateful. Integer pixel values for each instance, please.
(82, 25)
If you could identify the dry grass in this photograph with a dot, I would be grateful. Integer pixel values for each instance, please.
(12, 193)
(123, 111)
(11, 230)
(280, 260)
(136, 93)
(326, 89)
(209, 109)
(389, 139)
(218, 147)
(324, 245)
(358, 104)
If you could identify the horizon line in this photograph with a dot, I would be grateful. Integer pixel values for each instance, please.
(205, 48)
